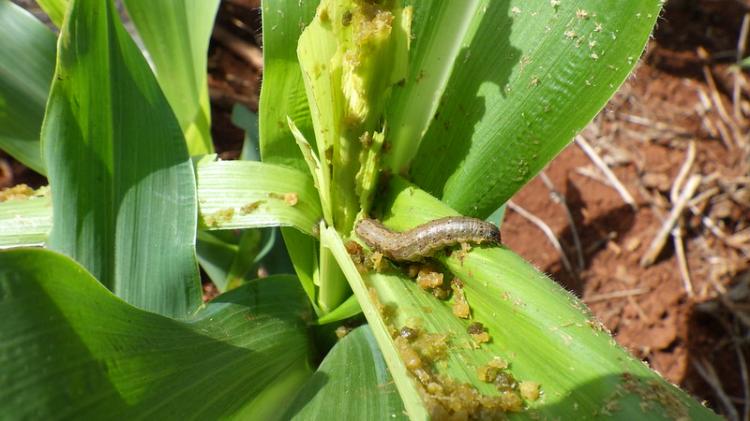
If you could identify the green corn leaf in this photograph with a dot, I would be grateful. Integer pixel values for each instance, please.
(320, 174)
(498, 216)
(218, 252)
(250, 248)
(544, 334)
(228, 261)
(26, 221)
(247, 121)
(352, 383)
(71, 349)
(216, 255)
(123, 188)
(315, 50)
(347, 309)
(242, 194)
(27, 63)
(283, 101)
(372, 310)
(438, 29)
(232, 195)
(273, 257)
(333, 289)
(282, 94)
(531, 74)
(303, 250)
(55, 9)
(176, 35)
(231, 258)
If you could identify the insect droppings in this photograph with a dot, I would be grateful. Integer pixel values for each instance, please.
(425, 240)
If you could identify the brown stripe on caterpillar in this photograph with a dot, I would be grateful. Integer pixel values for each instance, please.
(426, 239)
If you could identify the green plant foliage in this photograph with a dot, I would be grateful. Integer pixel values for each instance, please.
(123, 188)
(351, 54)
(303, 250)
(176, 35)
(231, 194)
(55, 9)
(347, 309)
(282, 94)
(248, 121)
(438, 30)
(282, 97)
(241, 194)
(351, 383)
(27, 62)
(529, 77)
(381, 331)
(228, 257)
(216, 255)
(469, 99)
(231, 258)
(71, 349)
(26, 221)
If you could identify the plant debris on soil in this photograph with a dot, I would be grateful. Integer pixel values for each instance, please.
(650, 207)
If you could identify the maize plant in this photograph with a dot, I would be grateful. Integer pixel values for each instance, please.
(392, 112)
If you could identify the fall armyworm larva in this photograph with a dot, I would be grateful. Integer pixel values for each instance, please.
(426, 239)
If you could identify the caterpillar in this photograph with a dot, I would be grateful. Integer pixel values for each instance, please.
(426, 239)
